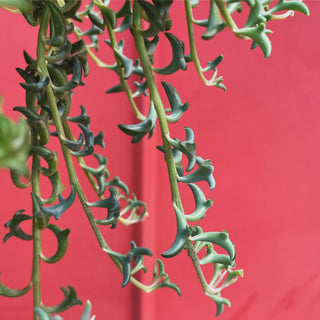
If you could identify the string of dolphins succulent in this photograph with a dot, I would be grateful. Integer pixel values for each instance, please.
(49, 81)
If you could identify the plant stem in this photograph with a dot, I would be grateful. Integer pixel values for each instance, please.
(155, 97)
(123, 81)
(43, 70)
(36, 234)
(193, 51)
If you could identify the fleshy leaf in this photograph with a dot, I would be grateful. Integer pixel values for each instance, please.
(99, 173)
(134, 254)
(70, 300)
(138, 131)
(178, 61)
(187, 147)
(89, 142)
(58, 209)
(202, 204)
(83, 118)
(202, 173)
(14, 226)
(220, 302)
(175, 102)
(13, 293)
(219, 238)
(62, 238)
(112, 205)
(182, 235)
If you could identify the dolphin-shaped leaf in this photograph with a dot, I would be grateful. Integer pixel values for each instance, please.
(135, 255)
(259, 35)
(187, 147)
(112, 204)
(175, 102)
(178, 61)
(290, 5)
(58, 209)
(83, 118)
(58, 30)
(219, 238)
(76, 79)
(138, 131)
(12, 293)
(51, 157)
(182, 235)
(14, 226)
(203, 172)
(70, 300)
(89, 142)
(202, 204)
(220, 302)
(99, 173)
(63, 241)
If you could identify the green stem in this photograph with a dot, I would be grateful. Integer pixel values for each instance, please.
(155, 97)
(101, 64)
(36, 234)
(193, 51)
(228, 19)
(123, 81)
(43, 70)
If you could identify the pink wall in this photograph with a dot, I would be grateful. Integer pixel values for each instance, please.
(263, 138)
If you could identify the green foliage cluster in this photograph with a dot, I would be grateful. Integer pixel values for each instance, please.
(49, 81)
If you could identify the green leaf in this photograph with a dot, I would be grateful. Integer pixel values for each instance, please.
(58, 30)
(14, 144)
(256, 15)
(220, 302)
(259, 35)
(89, 143)
(57, 188)
(39, 123)
(14, 226)
(83, 118)
(177, 108)
(75, 80)
(183, 232)
(138, 131)
(108, 14)
(20, 4)
(64, 204)
(178, 61)
(202, 173)
(219, 238)
(116, 182)
(160, 278)
(70, 300)
(290, 5)
(63, 242)
(112, 205)
(12, 293)
(135, 254)
(202, 204)
(99, 173)
(86, 314)
(51, 157)
(187, 147)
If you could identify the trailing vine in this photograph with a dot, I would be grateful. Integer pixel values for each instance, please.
(50, 79)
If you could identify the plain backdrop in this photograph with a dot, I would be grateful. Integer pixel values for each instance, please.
(263, 137)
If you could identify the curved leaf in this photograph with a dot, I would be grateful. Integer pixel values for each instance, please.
(63, 241)
(178, 61)
(182, 235)
(177, 108)
(138, 131)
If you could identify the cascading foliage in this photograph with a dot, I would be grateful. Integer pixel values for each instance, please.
(49, 80)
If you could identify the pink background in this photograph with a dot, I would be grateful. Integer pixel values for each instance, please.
(263, 138)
